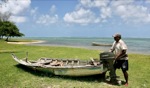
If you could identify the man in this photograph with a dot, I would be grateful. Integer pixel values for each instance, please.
(119, 48)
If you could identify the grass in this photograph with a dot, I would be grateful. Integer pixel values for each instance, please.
(13, 75)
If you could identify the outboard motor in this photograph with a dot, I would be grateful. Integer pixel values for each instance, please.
(107, 58)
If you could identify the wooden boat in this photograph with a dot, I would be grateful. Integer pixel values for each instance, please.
(99, 44)
(66, 67)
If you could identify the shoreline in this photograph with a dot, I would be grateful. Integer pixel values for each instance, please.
(100, 48)
(41, 43)
(24, 43)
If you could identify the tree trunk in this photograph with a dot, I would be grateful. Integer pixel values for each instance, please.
(7, 38)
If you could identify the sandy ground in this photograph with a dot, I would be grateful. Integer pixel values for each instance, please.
(25, 42)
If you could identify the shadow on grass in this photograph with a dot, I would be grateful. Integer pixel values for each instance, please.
(93, 78)
(8, 51)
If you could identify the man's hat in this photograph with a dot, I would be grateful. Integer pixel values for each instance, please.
(117, 35)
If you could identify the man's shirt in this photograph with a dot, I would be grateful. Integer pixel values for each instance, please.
(117, 48)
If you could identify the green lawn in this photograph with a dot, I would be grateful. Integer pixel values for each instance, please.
(13, 75)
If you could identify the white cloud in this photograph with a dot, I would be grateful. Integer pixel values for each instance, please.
(50, 18)
(133, 13)
(47, 19)
(81, 16)
(147, 1)
(15, 7)
(52, 9)
(88, 11)
(105, 12)
(101, 3)
(115, 3)
(94, 3)
(88, 15)
(129, 10)
(87, 3)
(33, 11)
(18, 19)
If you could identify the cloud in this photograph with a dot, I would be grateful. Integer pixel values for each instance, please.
(52, 9)
(18, 6)
(147, 1)
(15, 7)
(81, 16)
(50, 18)
(33, 11)
(115, 3)
(18, 19)
(84, 13)
(105, 12)
(47, 19)
(94, 3)
(131, 12)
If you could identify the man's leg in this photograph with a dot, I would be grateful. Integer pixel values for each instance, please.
(125, 76)
(124, 70)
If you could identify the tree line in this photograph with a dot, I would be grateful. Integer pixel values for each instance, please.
(9, 29)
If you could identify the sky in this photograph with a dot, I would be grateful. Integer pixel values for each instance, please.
(79, 18)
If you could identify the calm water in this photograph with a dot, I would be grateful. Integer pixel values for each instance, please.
(135, 45)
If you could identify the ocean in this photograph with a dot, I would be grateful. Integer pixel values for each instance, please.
(135, 45)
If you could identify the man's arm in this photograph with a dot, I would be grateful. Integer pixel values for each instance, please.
(112, 47)
(111, 50)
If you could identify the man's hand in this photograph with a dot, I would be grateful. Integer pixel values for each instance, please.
(117, 57)
(120, 55)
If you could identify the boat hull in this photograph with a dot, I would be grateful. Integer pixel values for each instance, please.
(66, 70)
(83, 71)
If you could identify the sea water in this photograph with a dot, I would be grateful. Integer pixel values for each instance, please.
(135, 45)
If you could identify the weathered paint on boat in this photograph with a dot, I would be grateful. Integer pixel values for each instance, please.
(66, 70)
(75, 71)
(80, 71)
